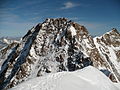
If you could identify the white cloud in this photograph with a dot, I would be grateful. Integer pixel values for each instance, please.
(68, 5)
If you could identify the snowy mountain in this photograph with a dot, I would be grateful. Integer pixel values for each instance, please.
(58, 45)
(108, 46)
(84, 79)
(2, 43)
(6, 47)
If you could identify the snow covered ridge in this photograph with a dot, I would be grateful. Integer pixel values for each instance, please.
(5, 51)
(53, 46)
(88, 78)
(108, 46)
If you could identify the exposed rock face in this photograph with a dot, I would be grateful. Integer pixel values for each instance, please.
(4, 52)
(108, 46)
(53, 46)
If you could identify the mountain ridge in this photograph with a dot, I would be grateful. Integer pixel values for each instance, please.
(53, 46)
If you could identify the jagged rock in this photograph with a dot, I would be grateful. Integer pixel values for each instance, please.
(53, 46)
(49, 47)
(108, 46)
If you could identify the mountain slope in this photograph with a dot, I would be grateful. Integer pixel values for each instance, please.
(48, 47)
(84, 79)
(53, 46)
(109, 48)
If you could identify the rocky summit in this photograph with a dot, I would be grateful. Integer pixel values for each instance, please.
(58, 45)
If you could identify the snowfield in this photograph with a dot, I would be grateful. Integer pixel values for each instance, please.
(88, 78)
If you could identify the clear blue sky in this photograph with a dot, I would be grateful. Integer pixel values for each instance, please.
(18, 16)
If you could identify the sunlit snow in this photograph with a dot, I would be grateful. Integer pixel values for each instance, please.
(88, 78)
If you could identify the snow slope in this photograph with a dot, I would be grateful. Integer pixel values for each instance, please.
(108, 46)
(88, 78)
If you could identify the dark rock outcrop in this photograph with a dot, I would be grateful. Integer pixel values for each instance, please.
(52, 46)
